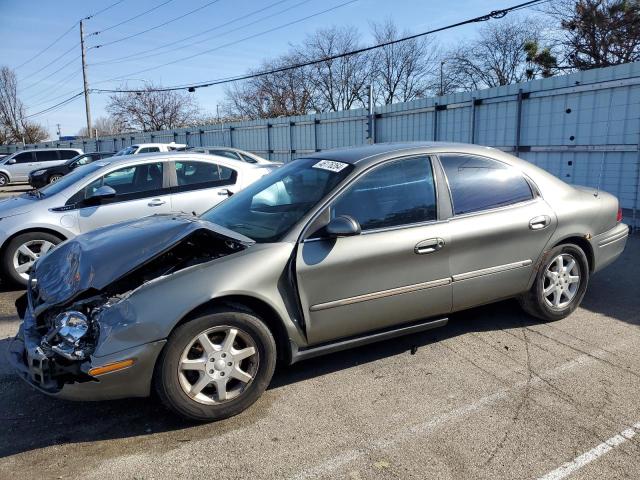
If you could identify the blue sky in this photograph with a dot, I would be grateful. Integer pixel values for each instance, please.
(29, 26)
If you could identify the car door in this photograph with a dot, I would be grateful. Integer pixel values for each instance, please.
(499, 228)
(25, 162)
(141, 190)
(200, 185)
(394, 272)
(46, 159)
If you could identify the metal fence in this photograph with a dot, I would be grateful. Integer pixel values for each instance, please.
(583, 128)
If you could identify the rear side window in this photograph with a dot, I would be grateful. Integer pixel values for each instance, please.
(225, 153)
(46, 156)
(197, 175)
(479, 183)
(398, 193)
(149, 150)
(67, 154)
(248, 159)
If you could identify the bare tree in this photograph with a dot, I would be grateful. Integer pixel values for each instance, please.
(276, 94)
(150, 109)
(402, 71)
(597, 33)
(497, 57)
(338, 84)
(15, 125)
(104, 126)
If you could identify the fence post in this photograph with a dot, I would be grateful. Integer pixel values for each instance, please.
(269, 125)
(230, 136)
(473, 120)
(518, 123)
(435, 122)
(316, 122)
(291, 125)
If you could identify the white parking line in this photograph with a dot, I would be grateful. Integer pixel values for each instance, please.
(334, 463)
(593, 454)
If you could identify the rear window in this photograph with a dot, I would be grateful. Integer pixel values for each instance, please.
(479, 183)
(46, 156)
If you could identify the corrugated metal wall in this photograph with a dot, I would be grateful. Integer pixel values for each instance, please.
(583, 127)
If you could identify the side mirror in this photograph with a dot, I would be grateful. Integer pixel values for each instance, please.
(11, 161)
(342, 226)
(102, 193)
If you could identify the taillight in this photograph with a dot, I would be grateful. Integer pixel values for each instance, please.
(619, 216)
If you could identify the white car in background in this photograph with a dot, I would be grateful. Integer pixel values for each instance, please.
(113, 190)
(151, 148)
(233, 153)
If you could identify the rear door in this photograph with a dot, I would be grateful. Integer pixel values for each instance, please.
(46, 159)
(394, 272)
(198, 185)
(141, 190)
(499, 228)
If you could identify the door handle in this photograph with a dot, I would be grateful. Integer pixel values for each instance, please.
(156, 202)
(429, 246)
(538, 223)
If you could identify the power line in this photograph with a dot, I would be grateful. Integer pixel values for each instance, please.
(137, 56)
(483, 18)
(98, 32)
(279, 27)
(56, 106)
(64, 35)
(52, 61)
(50, 75)
(43, 93)
(156, 26)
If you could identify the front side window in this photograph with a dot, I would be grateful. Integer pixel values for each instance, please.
(25, 157)
(83, 160)
(46, 156)
(479, 183)
(138, 181)
(197, 175)
(267, 209)
(398, 193)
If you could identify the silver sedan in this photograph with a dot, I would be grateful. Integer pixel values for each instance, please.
(110, 191)
(328, 252)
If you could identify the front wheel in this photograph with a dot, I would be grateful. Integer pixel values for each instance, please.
(4, 180)
(54, 178)
(216, 366)
(22, 252)
(560, 284)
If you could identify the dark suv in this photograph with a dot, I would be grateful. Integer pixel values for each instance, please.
(44, 176)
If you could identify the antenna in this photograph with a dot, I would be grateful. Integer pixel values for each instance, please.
(606, 137)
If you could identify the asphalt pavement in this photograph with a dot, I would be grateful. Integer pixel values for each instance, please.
(493, 395)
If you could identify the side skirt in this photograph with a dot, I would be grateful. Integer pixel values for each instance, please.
(298, 354)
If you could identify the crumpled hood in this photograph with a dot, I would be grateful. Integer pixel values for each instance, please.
(98, 258)
(17, 205)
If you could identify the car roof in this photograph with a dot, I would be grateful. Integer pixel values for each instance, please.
(48, 149)
(166, 156)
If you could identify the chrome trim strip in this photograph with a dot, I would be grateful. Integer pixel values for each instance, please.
(490, 270)
(381, 294)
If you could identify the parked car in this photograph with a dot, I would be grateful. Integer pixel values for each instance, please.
(40, 178)
(151, 148)
(339, 249)
(17, 166)
(109, 191)
(233, 153)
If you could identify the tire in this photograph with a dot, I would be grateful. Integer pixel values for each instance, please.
(35, 242)
(555, 296)
(4, 180)
(173, 383)
(54, 178)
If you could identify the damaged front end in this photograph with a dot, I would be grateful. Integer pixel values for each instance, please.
(88, 278)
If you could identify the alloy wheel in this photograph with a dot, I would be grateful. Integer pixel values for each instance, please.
(27, 253)
(561, 282)
(54, 178)
(218, 365)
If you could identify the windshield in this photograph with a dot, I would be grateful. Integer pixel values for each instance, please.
(127, 151)
(68, 180)
(267, 209)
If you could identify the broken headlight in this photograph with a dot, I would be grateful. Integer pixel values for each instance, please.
(66, 338)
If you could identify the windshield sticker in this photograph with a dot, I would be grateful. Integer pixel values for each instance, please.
(330, 165)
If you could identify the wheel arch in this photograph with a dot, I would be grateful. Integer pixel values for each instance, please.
(252, 305)
(584, 245)
(50, 231)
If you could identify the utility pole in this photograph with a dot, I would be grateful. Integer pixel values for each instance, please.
(441, 78)
(59, 131)
(86, 82)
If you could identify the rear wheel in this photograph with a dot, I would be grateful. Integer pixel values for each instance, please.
(21, 253)
(54, 178)
(216, 366)
(560, 285)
